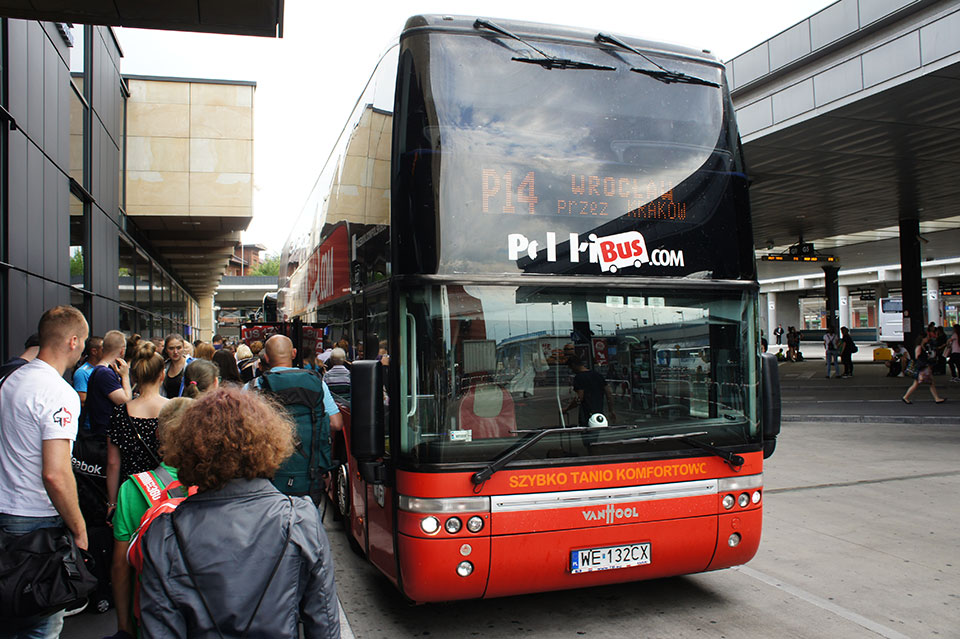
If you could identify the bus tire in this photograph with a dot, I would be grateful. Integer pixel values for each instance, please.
(341, 493)
(613, 269)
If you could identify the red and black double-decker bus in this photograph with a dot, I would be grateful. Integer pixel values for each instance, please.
(537, 243)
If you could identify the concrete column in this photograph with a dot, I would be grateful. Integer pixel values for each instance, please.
(207, 328)
(933, 301)
(845, 309)
(831, 291)
(910, 278)
(771, 317)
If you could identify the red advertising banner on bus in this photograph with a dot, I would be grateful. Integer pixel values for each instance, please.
(328, 273)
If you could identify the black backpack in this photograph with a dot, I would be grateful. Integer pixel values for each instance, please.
(301, 393)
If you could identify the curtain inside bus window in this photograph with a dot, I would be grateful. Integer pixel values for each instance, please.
(494, 363)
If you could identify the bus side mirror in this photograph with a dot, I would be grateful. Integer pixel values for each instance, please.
(769, 402)
(367, 441)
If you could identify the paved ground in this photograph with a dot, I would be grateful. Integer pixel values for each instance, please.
(869, 396)
(860, 540)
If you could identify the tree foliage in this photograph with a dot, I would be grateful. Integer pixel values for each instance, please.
(270, 267)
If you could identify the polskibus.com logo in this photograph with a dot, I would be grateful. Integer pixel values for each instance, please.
(611, 252)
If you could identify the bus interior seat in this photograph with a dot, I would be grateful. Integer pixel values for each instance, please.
(342, 390)
(488, 411)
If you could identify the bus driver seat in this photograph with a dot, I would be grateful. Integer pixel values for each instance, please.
(486, 408)
(488, 411)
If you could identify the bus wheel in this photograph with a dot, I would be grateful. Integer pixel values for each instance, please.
(342, 493)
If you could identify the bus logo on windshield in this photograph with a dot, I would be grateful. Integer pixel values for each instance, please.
(622, 249)
(611, 252)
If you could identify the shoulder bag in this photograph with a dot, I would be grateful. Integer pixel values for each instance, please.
(41, 572)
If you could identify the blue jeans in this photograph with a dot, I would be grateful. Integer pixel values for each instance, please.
(48, 627)
(832, 359)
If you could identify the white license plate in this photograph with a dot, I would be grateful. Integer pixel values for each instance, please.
(609, 557)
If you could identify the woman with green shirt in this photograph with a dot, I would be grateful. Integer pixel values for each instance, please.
(132, 503)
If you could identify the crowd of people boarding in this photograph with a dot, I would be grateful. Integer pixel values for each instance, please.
(162, 458)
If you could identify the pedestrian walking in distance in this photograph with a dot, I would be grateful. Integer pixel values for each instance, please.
(924, 371)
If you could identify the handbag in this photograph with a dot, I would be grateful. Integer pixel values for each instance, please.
(911, 369)
(41, 572)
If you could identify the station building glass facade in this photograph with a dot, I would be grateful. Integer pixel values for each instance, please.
(65, 237)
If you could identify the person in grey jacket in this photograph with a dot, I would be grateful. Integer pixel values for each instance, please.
(238, 558)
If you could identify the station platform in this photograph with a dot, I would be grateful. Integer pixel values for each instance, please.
(867, 397)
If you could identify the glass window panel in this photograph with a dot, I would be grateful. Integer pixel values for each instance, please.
(165, 308)
(127, 320)
(76, 52)
(122, 182)
(813, 310)
(142, 281)
(78, 113)
(126, 270)
(80, 300)
(156, 299)
(78, 241)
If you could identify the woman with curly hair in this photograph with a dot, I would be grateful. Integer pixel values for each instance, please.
(238, 558)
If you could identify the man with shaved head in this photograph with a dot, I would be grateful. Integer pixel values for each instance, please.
(280, 355)
(280, 351)
(310, 405)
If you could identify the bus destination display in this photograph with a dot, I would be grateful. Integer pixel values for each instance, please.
(581, 195)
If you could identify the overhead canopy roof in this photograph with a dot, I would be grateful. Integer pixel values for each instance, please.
(236, 17)
(850, 123)
(198, 249)
(848, 174)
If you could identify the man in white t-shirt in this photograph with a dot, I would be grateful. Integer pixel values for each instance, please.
(39, 412)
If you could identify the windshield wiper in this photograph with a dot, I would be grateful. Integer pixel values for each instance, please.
(511, 453)
(660, 73)
(733, 459)
(669, 77)
(547, 61)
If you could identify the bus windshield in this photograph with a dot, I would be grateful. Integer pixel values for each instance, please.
(490, 364)
(525, 167)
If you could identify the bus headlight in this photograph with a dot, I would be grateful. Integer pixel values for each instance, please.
(464, 569)
(733, 540)
(743, 500)
(453, 525)
(475, 524)
(756, 497)
(430, 525)
(728, 501)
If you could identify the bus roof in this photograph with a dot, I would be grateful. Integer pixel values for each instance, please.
(538, 30)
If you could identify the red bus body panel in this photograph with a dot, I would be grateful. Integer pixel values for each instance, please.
(524, 549)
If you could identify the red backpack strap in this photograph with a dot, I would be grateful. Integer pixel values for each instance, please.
(150, 487)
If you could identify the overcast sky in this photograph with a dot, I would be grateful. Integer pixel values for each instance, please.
(308, 81)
